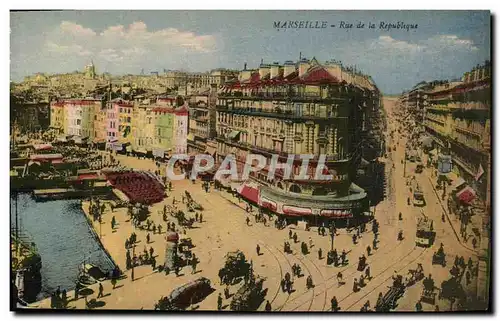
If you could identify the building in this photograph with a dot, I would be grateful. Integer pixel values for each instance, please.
(143, 128)
(79, 116)
(299, 108)
(458, 119)
(202, 122)
(57, 117)
(180, 130)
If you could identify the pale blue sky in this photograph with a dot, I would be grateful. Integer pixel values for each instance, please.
(446, 43)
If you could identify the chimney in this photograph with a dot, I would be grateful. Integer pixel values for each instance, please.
(275, 70)
(303, 66)
(245, 66)
(289, 68)
(263, 70)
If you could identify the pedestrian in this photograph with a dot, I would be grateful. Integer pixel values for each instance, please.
(201, 218)
(113, 222)
(467, 278)
(154, 229)
(290, 234)
(219, 302)
(147, 238)
(368, 250)
(374, 244)
(151, 252)
(226, 292)
(64, 297)
(113, 282)
(418, 306)
(196, 216)
(282, 283)
(258, 249)
(159, 228)
(194, 263)
(320, 254)
(343, 257)
(295, 237)
(248, 221)
(101, 290)
(77, 289)
(367, 273)
(311, 244)
(339, 278)
(268, 306)
(474, 242)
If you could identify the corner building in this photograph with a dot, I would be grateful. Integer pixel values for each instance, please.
(299, 108)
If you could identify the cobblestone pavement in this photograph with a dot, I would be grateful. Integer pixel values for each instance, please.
(224, 229)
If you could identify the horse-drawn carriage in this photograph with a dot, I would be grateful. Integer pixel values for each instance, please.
(249, 297)
(439, 257)
(389, 300)
(191, 204)
(183, 220)
(415, 275)
(428, 294)
(236, 266)
(185, 295)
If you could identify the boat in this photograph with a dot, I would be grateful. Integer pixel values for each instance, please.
(90, 274)
(26, 263)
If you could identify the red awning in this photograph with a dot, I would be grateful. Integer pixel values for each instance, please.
(297, 211)
(46, 157)
(42, 147)
(264, 202)
(249, 193)
(336, 213)
(82, 177)
(466, 195)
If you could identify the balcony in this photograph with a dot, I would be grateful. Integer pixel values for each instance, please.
(279, 113)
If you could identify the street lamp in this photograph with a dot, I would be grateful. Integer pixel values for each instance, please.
(332, 234)
(133, 260)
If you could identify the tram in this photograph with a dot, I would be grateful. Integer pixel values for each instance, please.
(425, 232)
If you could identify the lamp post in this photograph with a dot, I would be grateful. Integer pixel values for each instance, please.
(332, 234)
(133, 261)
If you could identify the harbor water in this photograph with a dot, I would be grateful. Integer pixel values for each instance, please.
(63, 239)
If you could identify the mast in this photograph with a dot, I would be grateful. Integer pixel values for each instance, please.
(17, 225)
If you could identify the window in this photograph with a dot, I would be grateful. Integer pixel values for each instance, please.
(78, 121)
(121, 110)
(295, 189)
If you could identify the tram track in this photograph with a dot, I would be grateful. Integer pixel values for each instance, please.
(383, 281)
(349, 267)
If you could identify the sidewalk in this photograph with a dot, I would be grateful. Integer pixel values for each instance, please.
(452, 219)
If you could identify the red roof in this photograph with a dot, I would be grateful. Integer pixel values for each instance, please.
(318, 75)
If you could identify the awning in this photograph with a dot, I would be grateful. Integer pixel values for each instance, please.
(190, 137)
(45, 157)
(248, 192)
(426, 141)
(467, 195)
(234, 134)
(158, 152)
(264, 202)
(459, 182)
(336, 213)
(210, 150)
(296, 211)
(140, 151)
(42, 147)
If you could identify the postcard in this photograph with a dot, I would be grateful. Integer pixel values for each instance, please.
(250, 161)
